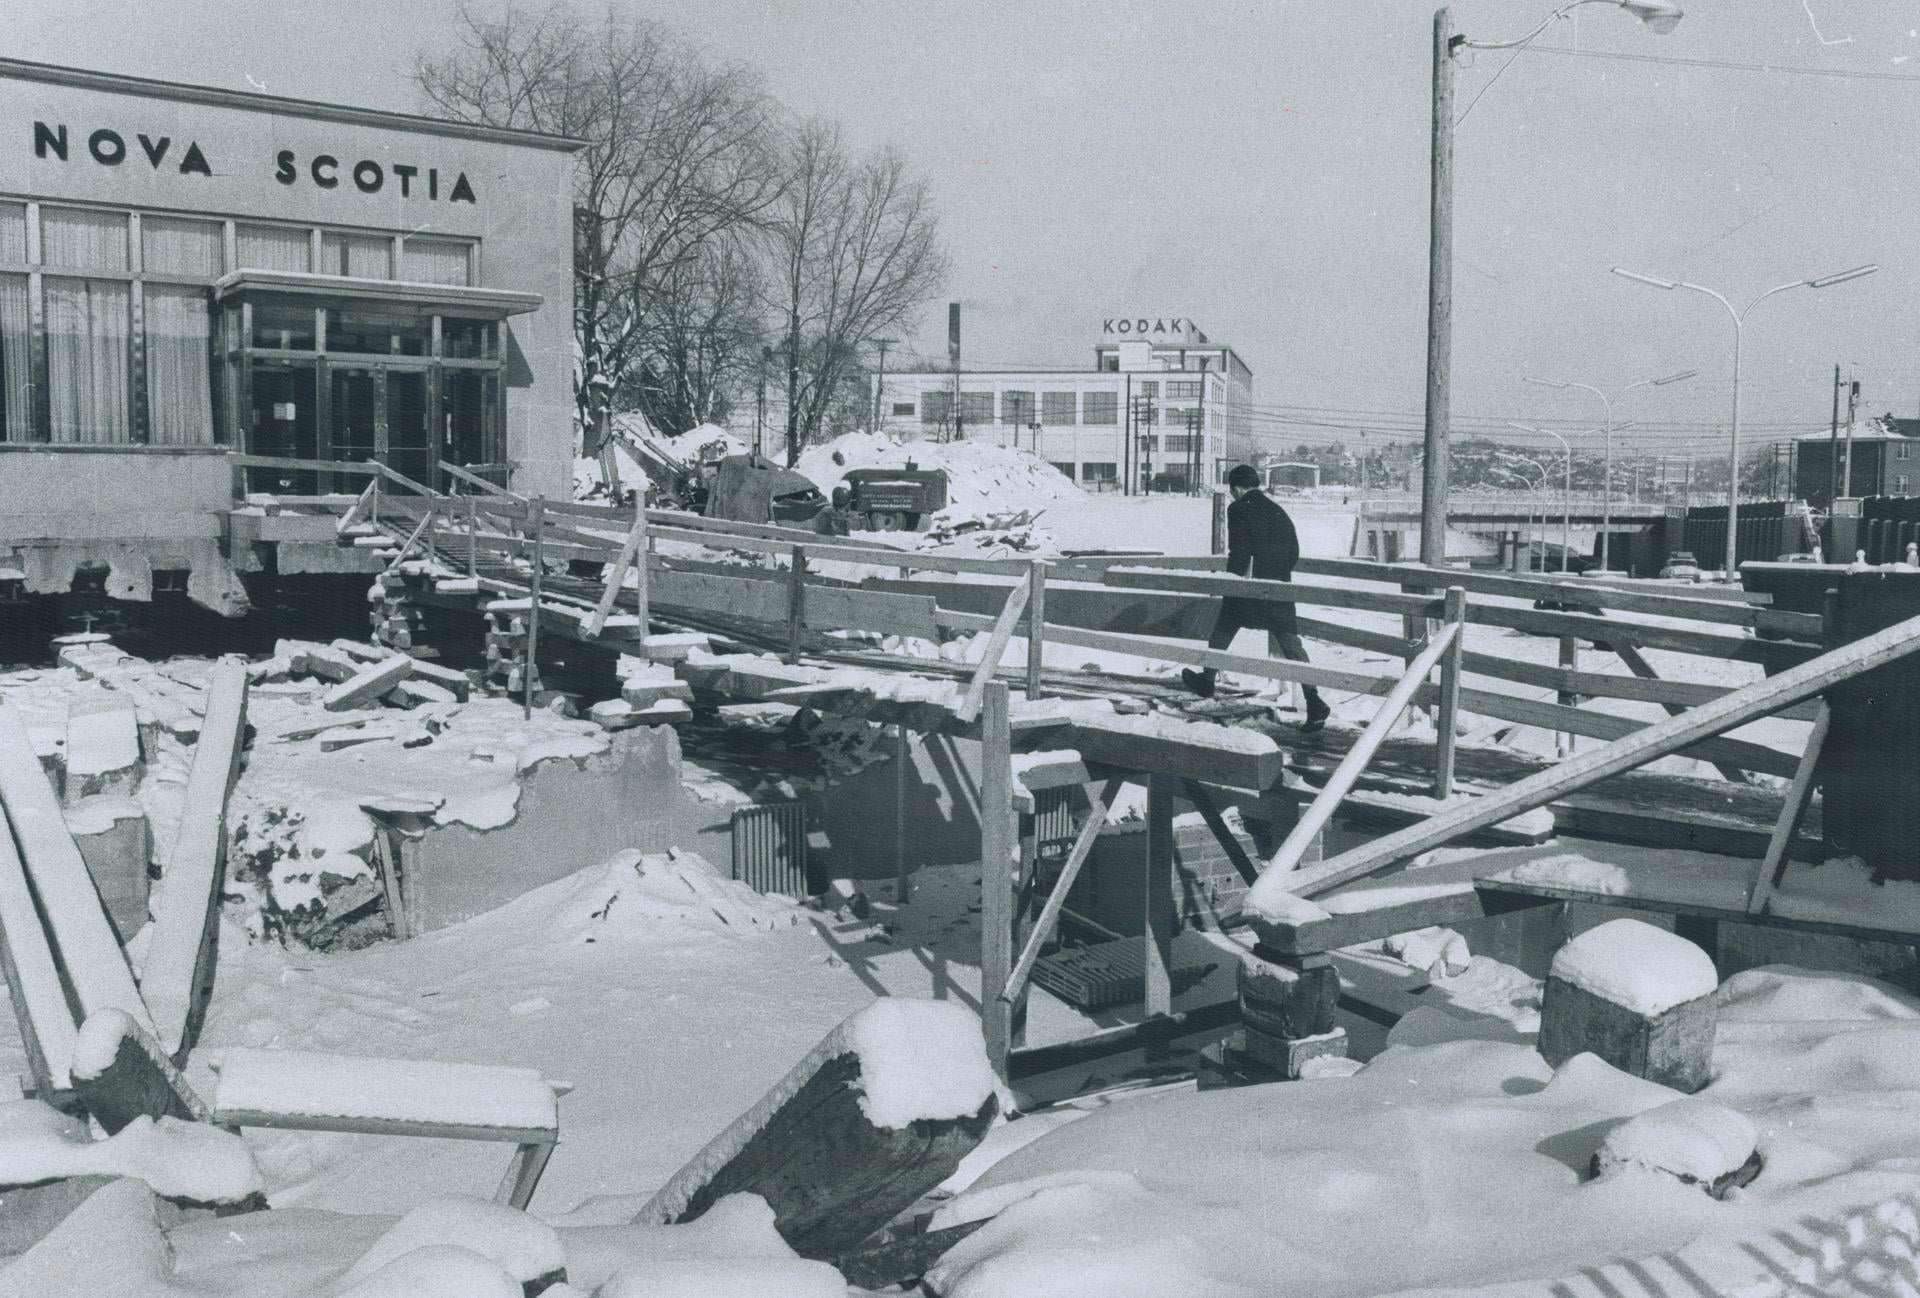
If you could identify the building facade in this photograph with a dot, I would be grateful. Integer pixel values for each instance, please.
(188, 271)
(1161, 408)
(1885, 461)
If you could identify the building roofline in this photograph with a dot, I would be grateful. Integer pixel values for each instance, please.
(218, 97)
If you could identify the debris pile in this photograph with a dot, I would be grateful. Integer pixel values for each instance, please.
(984, 482)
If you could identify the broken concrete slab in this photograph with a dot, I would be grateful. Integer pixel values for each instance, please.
(417, 693)
(103, 747)
(116, 842)
(368, 683)
(643, 693)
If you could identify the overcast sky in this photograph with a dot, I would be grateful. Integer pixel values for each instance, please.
(1261, 168)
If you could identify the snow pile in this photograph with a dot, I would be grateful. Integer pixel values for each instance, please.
(920, 1059)
(524, 1247)
(181, 1160)
(1636, 966)
(634, 895)
(1694, 1139)
(111, 1244)
(981, 479)
(1436, 952)
(733, 1277)
(437, 1271)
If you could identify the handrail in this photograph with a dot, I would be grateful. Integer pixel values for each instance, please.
(474, 479)
(1344, 776)
(1266, 590)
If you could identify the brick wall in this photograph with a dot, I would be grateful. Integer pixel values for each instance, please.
(1110, 889)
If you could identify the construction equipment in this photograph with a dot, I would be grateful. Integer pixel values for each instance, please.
(897, 500)
(753, 489)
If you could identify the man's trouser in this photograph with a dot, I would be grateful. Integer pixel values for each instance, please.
(1280, 644)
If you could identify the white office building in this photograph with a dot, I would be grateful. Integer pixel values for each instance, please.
(1161, 408)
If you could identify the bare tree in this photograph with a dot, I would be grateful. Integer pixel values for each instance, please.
(856, 251)
(699, 339)
(678, 153)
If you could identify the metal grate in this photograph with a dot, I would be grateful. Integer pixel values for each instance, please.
(1108, 973)
(770, 848)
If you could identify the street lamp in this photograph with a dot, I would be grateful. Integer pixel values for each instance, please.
(1659, 18)
(1739, 318)
(1566, 495)
(1606, 473)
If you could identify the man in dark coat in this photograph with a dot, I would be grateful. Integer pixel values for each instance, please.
(1261, 542)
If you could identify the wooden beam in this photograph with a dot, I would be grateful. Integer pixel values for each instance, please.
(1519, 585)
(635, 542)
(796, 600)
(1162, 917)
(1625, 754)
(136, 1078)
(1284, 592)
(82, 938)
(1610, 631)
(861, 554)
(33, 979)
(175, 975)
(1773, 867)
(1036, 625)
(1340, 783)
(996, 880)
(1448, 715)
(1202, 799)
(1637, 664)
(996, 646)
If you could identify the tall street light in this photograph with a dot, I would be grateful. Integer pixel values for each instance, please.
(1660, 18)
(1739, 318)
(1566, 497)
(1606, 474)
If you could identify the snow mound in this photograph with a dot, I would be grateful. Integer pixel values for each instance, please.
(1436, 952)
(633, 895)
(981, 479)
(1783, 993)
(181, 1160)
(110, 1244)
(1693, 1139)
(738, 1228)
(1636, 966)
(733, 1277)
(437, 1271)
(919, 1059)
(522, 1246)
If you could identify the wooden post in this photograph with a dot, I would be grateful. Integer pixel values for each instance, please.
(1219, 544)
(635, 544)
(1569, 659)
(1157, 939)
(1773, 868)
(902, 755)
(1036, 624)
(539, 512)
(373, 502)
(1449, 711)
(996, 879)
(796, 602)
(473, 539)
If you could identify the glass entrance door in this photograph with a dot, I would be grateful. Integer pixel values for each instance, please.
(355, 393)
(409, 448)
(284, 424)
(379, 412)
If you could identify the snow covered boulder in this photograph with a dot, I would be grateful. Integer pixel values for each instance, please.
(524, 1247)
(1696, 1140)
(1638, 997)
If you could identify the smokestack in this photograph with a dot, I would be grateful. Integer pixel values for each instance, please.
(953, 334)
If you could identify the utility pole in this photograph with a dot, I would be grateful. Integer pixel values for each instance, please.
(1433, 483)
(880, 382)
(1193, 450)
(793, 385)
(1833, 442)
(760, 404)
(953, 359)
(1853, 401)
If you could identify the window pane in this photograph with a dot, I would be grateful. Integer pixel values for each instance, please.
(903, 408)
(179, 366)
(1100, 408)
(377, 333)
(363, 256)
(1016, 407)
(88, 332)
(976, 407)
(936, 407)
(271, 247)
(171, 247)
(85, 240)
(283, 326)
(467, 340)
(16, 359)
(1056, 408)
(435, 261)
(13, 232)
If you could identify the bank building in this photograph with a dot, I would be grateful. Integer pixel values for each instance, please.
(189, 273)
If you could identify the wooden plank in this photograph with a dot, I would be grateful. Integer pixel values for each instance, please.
(1287, 592)
(763, 598)
(1050, 912)
(82, 940)
(308, 466)
(1773, 867)
(1202, 799)
(1448, 715)
(475, 480)
(871, 556)
(1162, 917)
(33, 980)
(1335, 931)
(1515, 585)
(730, 527)
(634, 544)
(131, 1076)
(796, 600)
(1625, 754)
(1340, 783)
(831, 1177)
(1036, 625)
(996, 874)
(1639, 666)
(996, 646)
(174, 975)
(368, 683)
(1608, 631)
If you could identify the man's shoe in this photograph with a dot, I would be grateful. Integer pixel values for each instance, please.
(1317, 714)
(1199, 682)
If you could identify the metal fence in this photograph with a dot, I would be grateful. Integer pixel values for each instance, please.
(770, 848)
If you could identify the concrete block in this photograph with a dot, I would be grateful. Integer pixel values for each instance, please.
(103, 747)
(369, 683)
(413, 694)
(644, 693)
(116, 842)
(1288, 998)
(1673, 1047)
(1288, 1057)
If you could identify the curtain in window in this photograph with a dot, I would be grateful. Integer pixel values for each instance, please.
(179, 366)
(170, 247)
(271, 247)
(88, 332)
(434, 261)
(13, 232)
(363, 256)
(16, 382)
(83, 240)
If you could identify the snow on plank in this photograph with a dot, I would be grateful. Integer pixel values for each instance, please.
(877, 1114)
(368, 683)
(170, 978)
(82, 938)
(33, 981)
(304, 1090)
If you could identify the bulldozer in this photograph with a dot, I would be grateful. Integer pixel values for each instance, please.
(897, 500)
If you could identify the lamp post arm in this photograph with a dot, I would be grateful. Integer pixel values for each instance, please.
(1778, 288)
(1547, 22)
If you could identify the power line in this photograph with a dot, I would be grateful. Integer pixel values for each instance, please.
(1849, 74)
